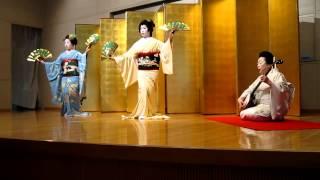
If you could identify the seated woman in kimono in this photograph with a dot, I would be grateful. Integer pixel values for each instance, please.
(142, 63)
(273, 96)
(66, 78)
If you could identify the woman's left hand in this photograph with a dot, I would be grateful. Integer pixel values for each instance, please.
(88, 49)
(41, 60)
(171, 33)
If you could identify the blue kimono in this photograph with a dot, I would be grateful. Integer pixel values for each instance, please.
(66, 77)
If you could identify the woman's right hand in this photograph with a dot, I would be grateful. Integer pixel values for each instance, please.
(241, 102)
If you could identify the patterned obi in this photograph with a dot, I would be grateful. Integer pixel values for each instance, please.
(149, 60)
(70, 67)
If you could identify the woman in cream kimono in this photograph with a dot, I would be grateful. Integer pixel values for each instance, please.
(142, 63)
(273, 96)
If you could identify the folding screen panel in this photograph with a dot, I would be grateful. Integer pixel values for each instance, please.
(83, 31)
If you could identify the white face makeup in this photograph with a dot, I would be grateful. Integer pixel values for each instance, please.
(262, 66)
(68, 45)
(144, 32)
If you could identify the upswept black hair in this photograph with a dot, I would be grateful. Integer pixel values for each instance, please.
(149, 23)
(267, 55)
(72, 38)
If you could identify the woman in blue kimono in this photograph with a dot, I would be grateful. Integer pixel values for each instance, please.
(66, 77)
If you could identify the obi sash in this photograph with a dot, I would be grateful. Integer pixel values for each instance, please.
(70, 67)
(149, 60)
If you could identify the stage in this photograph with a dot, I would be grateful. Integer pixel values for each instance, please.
(184, 141)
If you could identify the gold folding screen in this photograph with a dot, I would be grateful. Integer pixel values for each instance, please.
(284, 42)
(159, 20)
(220, 51)
(252, 37)
(113, 93)
(213, 63)
(83, 31)
(183, 87)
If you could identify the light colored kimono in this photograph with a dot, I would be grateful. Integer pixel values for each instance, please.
(67, 90)
(273, 102)
(147, 79)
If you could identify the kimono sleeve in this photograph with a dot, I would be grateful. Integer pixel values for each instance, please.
(53, 71)
(282, 93)
(82, 66)
(166, 57)
(128, 66)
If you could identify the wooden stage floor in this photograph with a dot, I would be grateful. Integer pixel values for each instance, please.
(180, 131)
(185, 147)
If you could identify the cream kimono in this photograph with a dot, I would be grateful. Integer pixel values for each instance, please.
(142, 63)
(273, 101)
